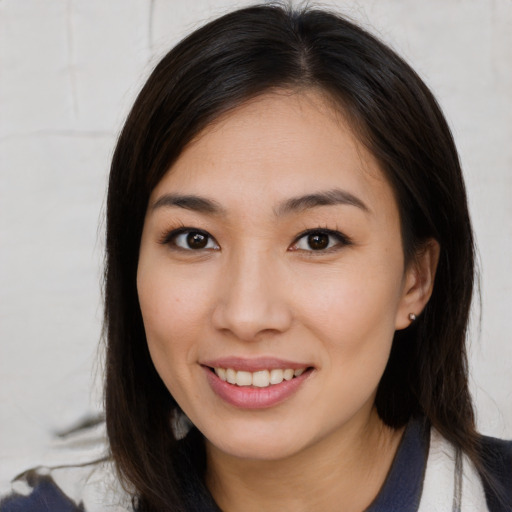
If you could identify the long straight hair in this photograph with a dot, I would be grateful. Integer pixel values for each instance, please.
(217, 68)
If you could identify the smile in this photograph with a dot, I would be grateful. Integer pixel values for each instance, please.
(259, 379)
(258, 383)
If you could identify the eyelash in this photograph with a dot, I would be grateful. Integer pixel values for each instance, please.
(341, 240)
(169, 238)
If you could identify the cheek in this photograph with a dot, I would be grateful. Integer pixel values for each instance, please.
(353, 316)
(352, 307)
(172, 309)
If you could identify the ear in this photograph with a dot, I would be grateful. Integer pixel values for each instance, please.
(418, 283)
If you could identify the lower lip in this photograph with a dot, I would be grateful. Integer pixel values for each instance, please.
(248, 397)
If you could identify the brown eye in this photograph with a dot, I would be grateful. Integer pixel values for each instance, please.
(197, 240)
(318, 241)
(191, 240)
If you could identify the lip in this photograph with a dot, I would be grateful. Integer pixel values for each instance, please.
(255, 364)
(249, 397)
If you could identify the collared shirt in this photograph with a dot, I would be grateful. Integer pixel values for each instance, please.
(413, 483)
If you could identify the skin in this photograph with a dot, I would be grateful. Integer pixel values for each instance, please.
(256, 290)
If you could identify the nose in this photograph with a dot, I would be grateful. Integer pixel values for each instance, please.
(252, 300)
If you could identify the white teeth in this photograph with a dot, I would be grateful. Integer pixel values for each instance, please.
(259, 379)
(221, 373)
(276, 376)
(243, 378)
(231, 376)
(288, 374)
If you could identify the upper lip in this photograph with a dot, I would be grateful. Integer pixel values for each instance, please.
(254, 364)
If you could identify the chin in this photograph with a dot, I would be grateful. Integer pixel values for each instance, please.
(260, 448)
(260, 440)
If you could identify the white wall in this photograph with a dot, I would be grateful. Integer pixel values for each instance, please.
(69, 70)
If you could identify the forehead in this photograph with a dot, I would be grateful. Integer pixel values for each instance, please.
(278, 145)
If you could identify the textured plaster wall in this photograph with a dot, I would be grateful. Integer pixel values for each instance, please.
(69, 70)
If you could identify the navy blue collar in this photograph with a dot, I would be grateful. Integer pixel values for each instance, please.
(404, 483)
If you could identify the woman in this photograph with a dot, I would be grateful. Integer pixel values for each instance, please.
(289, 275)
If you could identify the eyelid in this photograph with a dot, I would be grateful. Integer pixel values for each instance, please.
(342, 239)
(170, 235)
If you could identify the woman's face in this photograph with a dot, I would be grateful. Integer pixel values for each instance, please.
(272, 247)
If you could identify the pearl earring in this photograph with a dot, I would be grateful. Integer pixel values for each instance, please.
(412, 317)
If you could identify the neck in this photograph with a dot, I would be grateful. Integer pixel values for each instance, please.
(342, 472)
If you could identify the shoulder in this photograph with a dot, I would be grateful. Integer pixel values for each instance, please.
(497, 454)
(78, 476)
(37, 492)
(82, 488)
(496, 457)
(452, 478)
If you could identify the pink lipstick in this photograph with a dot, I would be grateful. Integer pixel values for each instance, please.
(255, 383)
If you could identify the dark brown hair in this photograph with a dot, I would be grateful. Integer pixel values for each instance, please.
(216, 68)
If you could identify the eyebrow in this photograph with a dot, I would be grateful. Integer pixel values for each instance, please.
(294, 204)
(189, 202)
(325, 198)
